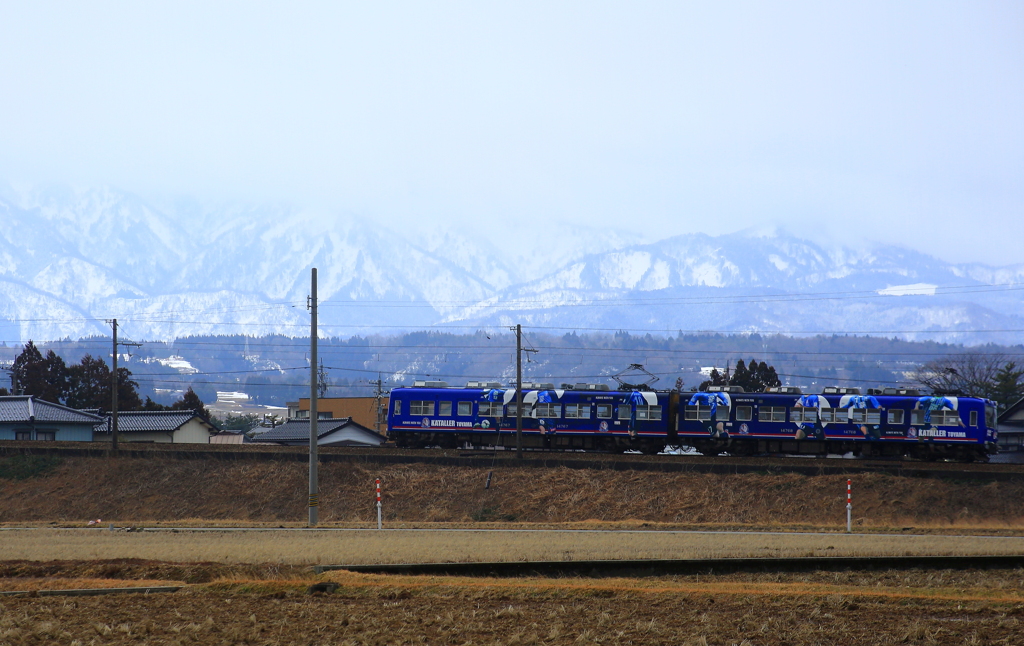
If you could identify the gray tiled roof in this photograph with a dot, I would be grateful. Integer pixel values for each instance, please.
(143, 421)
(298, 429)
(23, 408)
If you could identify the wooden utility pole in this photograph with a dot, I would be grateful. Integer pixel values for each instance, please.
(113, 393)
(314, 486)
(378, 398)
(115, 382)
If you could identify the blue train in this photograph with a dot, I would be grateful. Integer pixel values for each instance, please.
(592, 417)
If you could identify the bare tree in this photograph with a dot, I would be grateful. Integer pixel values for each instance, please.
(972, 374)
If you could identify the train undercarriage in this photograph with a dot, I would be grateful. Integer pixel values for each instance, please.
(748, 447)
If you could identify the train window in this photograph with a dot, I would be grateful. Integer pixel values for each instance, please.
(548, 410)
(604, 411)
(465, 409)
(512, 410)
(421, 408)
(744, 413)
(938, 418)
(946, 418)
(974, 418)
(648, 412)
(444, 409)
(577, 411)
(896, 416)
(771, 414)
(489, 409)
(834, 415)
(990, 416)
(700, 413)
(874, 415)
(722, 414)
(801, 414)
(397, 410)
(624, 412)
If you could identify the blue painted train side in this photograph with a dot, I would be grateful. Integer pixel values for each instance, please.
(552, 418)
(924, 427)
(917, 426)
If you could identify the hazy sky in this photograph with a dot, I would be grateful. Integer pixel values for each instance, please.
(891, 121)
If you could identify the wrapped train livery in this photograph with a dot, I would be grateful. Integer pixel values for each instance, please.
(883, 422)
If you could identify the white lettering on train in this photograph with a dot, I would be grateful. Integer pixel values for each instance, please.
(450, 423)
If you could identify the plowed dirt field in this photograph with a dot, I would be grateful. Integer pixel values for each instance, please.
(835, 608)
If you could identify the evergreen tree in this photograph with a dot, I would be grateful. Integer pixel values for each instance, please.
(190, 401)
(90, 386)
(1007, 385)
(44, 377)
(57, 378)
(741, 375)
(127, 391)
(27, 371)
(150, 405)
(761, 377)
(753, 377)
(715, 379)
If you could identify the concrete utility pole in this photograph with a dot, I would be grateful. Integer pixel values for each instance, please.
(518, 329)
(314, 486)
(519, 391)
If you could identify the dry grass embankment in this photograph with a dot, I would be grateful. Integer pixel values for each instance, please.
(140, 490)
(398, 546)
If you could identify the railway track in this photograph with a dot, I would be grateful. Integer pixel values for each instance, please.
(534, 459)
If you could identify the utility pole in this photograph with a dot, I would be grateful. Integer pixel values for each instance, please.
(14, 379)
(314, 486)
(518, 329)
(378, 396)
(321, 380)
(519, 391)
(114, 383)
(113, 393)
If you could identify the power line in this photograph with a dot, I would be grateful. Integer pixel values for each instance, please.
(674, 330)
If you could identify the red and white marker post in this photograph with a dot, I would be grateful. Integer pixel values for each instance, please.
(378, 504)
(849, 507)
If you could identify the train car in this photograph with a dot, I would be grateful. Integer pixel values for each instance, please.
(570, 417)
(884, 422)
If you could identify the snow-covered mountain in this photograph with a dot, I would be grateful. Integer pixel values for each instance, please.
(775, 282)
(71, 259)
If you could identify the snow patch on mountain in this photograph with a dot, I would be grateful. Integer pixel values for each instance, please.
(917, 289)
(71, 258)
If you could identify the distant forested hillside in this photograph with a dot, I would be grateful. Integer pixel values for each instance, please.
(275, 369)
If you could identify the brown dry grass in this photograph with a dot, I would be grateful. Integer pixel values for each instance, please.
(400, 546)
(942, 607)
(137, 490)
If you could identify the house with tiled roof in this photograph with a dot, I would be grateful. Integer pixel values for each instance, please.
(1011, 428)
(171, 426)
(330, 432)
(25, 417)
